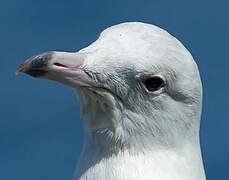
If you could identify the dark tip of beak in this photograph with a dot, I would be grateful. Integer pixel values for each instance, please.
(35, 66)
(36, 73)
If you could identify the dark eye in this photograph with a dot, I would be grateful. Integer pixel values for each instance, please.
(153, 83)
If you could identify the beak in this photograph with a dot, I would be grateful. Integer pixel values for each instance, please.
(35, 66)
(63, 67)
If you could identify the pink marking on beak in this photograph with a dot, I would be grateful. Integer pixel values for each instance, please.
(59, 64)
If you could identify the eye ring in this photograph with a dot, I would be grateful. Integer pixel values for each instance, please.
(153, 83)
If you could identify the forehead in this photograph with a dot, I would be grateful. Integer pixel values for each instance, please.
(132, 38)
(136, 45)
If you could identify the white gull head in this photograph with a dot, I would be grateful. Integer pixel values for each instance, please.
(141, 98)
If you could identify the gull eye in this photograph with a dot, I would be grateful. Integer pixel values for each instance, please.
(153, 83)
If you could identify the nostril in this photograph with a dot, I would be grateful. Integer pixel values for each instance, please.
(59, 64)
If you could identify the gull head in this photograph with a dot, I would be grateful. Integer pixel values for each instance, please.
(138, 86)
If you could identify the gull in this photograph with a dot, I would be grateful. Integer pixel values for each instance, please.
(141, 98)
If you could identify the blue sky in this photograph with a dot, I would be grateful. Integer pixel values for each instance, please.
(41, 131)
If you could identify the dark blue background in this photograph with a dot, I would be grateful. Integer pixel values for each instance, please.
(40, 130)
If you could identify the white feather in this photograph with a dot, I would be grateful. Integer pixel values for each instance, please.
(145, 135)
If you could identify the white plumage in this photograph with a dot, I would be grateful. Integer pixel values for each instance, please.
(141, 98)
